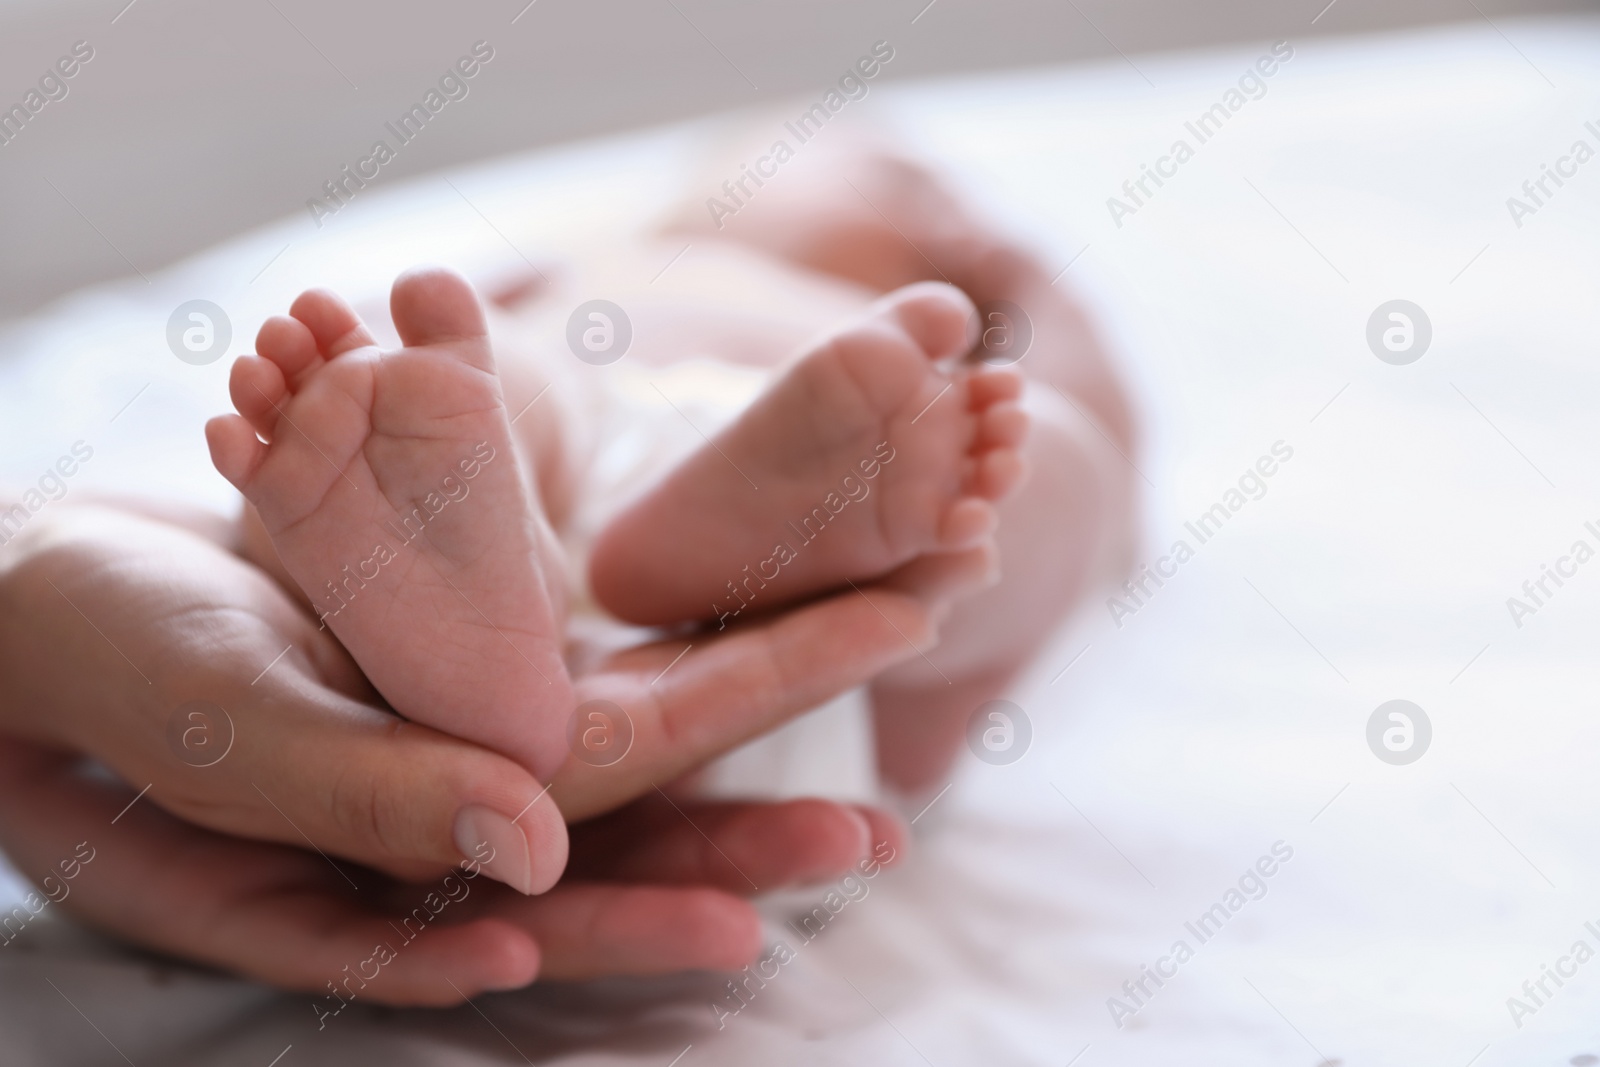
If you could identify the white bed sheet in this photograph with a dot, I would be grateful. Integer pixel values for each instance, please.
(1226, 715)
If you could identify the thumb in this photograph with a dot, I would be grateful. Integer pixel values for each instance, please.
(304, 765)
(367, 786)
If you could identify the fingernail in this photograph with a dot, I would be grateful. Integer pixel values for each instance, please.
(497, 845)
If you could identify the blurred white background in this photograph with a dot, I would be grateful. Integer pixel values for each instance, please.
(197, 120)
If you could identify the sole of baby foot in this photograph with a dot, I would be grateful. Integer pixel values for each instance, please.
(876, 446)
(391, 490)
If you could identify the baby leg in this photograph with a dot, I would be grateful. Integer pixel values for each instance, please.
(880, 222)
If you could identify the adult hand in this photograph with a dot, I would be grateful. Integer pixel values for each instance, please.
(110, 626)
(647, 893)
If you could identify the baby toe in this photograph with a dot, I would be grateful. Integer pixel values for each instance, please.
(1005, 425)
(289, 344)
(236, 452)
(434, 305)
(939, 318)
(995, 474)
(257, 388)
(333, 323)
(986, 387)
(969, 521)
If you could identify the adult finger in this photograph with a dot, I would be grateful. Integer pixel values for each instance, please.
(314, 769)
(593, 930)
(738, 846)
(280, 915)
(683, 707)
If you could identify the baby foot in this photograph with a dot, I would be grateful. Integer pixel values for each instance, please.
(856, 212)
(391, 490)
(860, 457)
